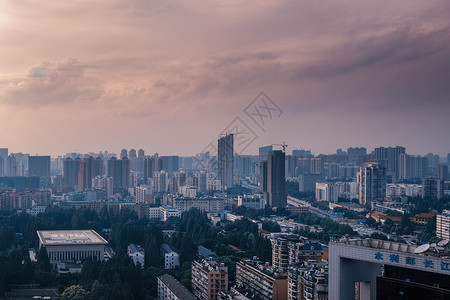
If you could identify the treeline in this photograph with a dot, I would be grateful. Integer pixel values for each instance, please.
(118, 278)
(328, 226)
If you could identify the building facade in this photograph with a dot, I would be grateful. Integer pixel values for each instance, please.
(171, 289)
(62, 245)
(225, 158)
(208, 279)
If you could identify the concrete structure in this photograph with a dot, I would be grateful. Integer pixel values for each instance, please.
(273, 179)
(289, 249)
(251, 201)
(207, 204)
(137, 254)
(208, 279)
(119, 170)
(104, 182)
(307, 182)
(170, 257)
(443, 225)
(389, 158)
(170, 289)
(261, 280)
(327, 192)
(76, 245)
(225, 156)
(406, 274)
(372, 183)
(432, 187)
(3, 161)
(40, 166)
(188, 191)
(144, 194)
(163, 212)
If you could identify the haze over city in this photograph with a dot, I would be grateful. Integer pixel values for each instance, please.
(169, 76)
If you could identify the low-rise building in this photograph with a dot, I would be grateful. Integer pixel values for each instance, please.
(170, 289)
(63, 245)
(163, 212)
(170, 257)
(137, 254)
(251, 201)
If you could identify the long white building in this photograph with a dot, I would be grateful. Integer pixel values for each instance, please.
(62, 245)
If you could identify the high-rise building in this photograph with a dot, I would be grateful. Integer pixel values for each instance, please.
(372, 183)
(307, 182)
(390, 158)
(432, 188)
(88, 169)
(3, 159)
(208, 279)
(149, 169)
(273, 179)
(264, 151)
(123, 153)
(161, 181)
(327, 192)
(201, 182)
(169, 164)
(70, 171)
(132, 153)
(225, 159)
(40, 166)
(119, 170)
(448, 159)
(11, 166)
(302, 153)
(442, 171)
(356, 155)
(104, 182)
(411, 167)
(310, 166)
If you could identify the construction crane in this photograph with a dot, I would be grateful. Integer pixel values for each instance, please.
(282, 146)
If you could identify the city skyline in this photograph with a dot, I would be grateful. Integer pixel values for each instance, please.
(155, 73)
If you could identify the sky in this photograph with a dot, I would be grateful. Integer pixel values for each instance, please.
(169, 76)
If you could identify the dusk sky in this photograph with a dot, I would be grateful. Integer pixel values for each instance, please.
(169, 76)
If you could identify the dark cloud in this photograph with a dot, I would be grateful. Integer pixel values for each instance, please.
(53, 83)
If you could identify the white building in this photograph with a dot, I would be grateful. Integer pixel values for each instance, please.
(171, 258)
(188, 191)
(137, 254)
(163, 212)
(63, 245)
(327, 192)
(251, 201)
(144, 194)
(443, 225)
(35, 210)
(103, 182)
(207, 204)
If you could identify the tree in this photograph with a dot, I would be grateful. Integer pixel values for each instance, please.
(75, 292)
(43, 263)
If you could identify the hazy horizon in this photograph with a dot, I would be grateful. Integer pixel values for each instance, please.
(170, 76)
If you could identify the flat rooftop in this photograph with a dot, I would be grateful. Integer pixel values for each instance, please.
(70, 237)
